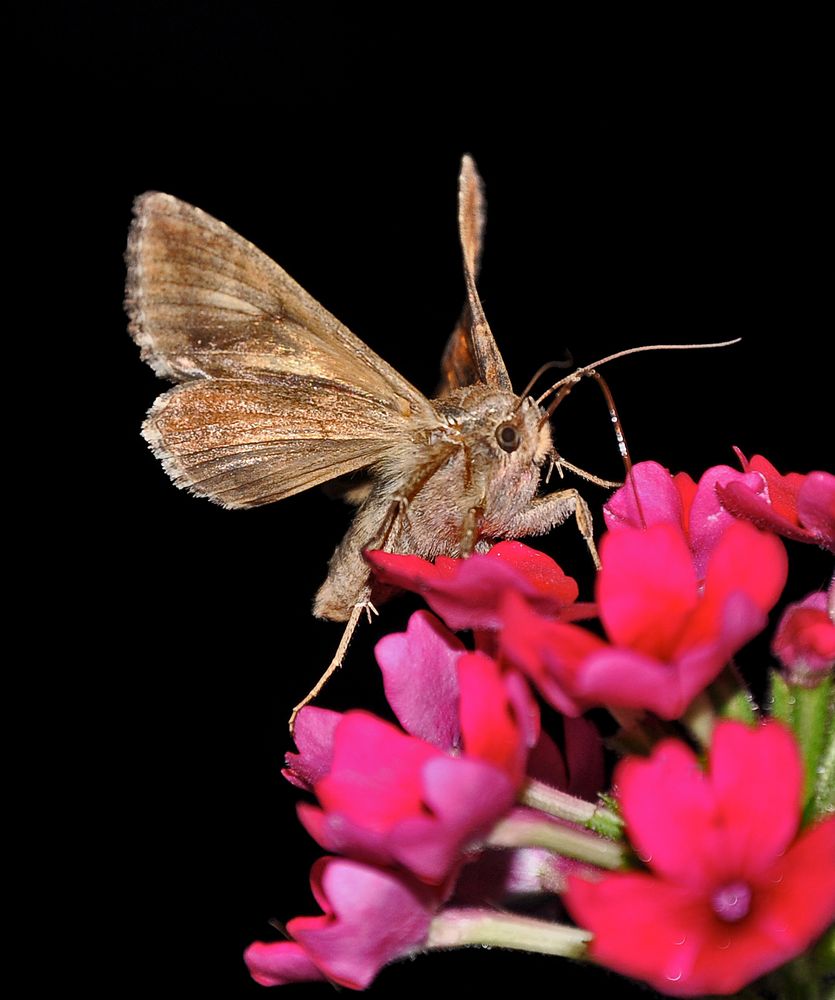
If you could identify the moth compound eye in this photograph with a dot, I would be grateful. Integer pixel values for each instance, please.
(508, 437)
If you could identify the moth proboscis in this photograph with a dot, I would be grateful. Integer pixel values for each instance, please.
(275, 396)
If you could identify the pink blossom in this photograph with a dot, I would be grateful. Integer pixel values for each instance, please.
(733, 890)
(654, 496)
(805, 638)
(800, 507)
(371, 917)
(390, 797)
(467, 593)
(668, 638)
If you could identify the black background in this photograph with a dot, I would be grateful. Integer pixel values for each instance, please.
(647, 182)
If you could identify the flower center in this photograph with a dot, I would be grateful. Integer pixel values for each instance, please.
(732, 902)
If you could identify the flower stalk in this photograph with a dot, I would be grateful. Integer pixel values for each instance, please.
(522, 831)
(488, 929)
(561, 805)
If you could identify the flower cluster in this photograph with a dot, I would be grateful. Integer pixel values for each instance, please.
(711, 864)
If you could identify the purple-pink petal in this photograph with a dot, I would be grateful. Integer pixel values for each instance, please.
(462, 799)
(277, 963)
(373, 917)
(657, 502)
(314, 734)
(816, 507)
(709, 519)
(420, 679)
(805, 638)
(467, 593)
(631, 679)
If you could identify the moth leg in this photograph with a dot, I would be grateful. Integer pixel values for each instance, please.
(338, 656)
(347, 584)
(399, 505)
(470, 529)
(546, 512)
(396, 513)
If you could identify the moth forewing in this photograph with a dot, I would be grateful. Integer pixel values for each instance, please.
(205, 302)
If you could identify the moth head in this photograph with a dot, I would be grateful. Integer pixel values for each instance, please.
(524, 434)
(513, 430)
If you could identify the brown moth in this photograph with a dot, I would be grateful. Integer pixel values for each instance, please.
(275, 396)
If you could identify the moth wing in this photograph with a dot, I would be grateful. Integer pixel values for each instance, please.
(243, 443)
(203, 302)
(471, 353)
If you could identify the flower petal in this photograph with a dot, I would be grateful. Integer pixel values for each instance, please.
(805, 637)
(643, 927)
(313, 734)
(467, 593)
(375, 777)
(420, 679)
(797, 895)
(750, 561)
(699, 829)
(778, 507)
(278, 963)
(646, 588)
(709, 520)
(756, 776)
(548, 652)
(372, 918)
(628, 679)
(649, 496)
(391, 798)
(816, 507)
(489, 723)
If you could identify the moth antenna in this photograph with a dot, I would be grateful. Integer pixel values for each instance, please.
(623, 447)
(575, 377)
(567, 363)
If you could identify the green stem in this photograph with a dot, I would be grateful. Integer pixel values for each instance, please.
(825, 799)
(782, 701)
(518, 831)
(700, 718)
(552, 801)
(489, 929)
(813, 726)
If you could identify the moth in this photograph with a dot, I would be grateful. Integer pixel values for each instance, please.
(275, 396)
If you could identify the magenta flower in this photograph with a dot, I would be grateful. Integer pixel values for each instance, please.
(654, 496)
(795, 506)
(733, 889)
(805, 638)
(668, 637)
(467, 593)
(371, 917)
(418, 801)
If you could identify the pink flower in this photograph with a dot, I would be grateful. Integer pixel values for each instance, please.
(467, 593)
(418, 801)
(371, 917)
(668, 638)
(795, 506)
(733, 890)
(654, 496)
(805, 638)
